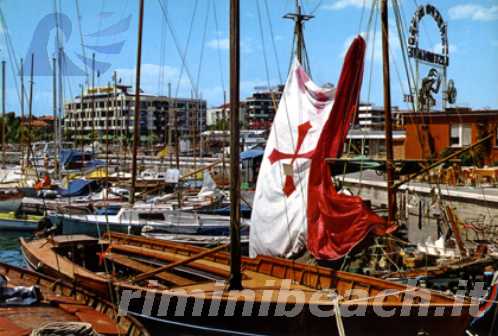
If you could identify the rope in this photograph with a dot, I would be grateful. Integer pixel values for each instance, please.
(65, 329)
(338, 318)
(82, 43)
(203, 47)
(284, 100)
(162, 56)
(374, 14)
(218, 48)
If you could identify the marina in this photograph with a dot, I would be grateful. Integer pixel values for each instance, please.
(218, 171)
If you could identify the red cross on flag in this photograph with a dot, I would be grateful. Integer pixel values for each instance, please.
(295, 204)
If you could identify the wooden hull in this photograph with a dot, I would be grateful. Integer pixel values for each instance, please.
(56, 297)
(52, 267)
(305, 323)
(262, 276)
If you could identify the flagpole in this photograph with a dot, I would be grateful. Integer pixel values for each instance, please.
(391, 194)
(235, 281)
(136, 121)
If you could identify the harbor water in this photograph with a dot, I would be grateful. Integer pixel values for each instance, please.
(9, 248)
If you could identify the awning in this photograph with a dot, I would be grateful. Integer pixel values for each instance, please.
(78, 188)
(251, 154)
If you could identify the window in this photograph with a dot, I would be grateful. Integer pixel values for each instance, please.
(460, 135)
(151, 216)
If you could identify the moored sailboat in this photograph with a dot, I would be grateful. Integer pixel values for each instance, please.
(183, 273)
(176, 286)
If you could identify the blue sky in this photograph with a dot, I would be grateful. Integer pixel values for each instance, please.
(109, 27)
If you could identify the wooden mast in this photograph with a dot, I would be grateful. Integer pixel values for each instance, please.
(54, 102)
(94, 116)
(136, 121)
(4, 128)
(59, 113)
(30, 106)
(299, 18)
(21, 124)
(82, 117)
(235, 281)
(391, 193)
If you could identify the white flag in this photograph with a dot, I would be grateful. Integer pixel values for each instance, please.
(278, 222)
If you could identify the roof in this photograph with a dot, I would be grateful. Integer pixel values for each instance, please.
(453, 115)
(358, 134)
(38, 123)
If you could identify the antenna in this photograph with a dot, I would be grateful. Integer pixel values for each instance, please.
(299, 47)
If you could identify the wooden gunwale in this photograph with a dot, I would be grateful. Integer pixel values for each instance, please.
(316, 277)
(261, 268)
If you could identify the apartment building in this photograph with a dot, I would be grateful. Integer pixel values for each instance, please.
(110, 111)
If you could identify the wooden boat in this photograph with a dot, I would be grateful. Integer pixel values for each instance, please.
(191, 270)
(14, 221)
(61, 303)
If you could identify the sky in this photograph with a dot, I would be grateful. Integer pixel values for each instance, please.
(197, 31)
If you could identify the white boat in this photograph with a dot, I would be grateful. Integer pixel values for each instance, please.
(136, 218)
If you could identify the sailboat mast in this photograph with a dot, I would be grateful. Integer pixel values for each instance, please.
(94, 116)
(60, 114)
(30, 116)
(82, 112)
(235, 281)
(391, 194)
(54, 102)
(21, 124)
(4, 128)
(299, 33)
(136, 121)
(300, 47)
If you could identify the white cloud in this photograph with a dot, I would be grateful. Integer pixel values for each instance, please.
(438, 47)
(394, 45)
(249, 85)
(220, 43)
(223, 43)
(341, 4)
(473, 12)
(213, 95)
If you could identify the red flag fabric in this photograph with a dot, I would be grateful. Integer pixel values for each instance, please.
(337, 222)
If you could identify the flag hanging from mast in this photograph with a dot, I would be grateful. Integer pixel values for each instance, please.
(294, 204)
(338, 222)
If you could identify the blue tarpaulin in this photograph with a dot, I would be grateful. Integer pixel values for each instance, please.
(78, 188)
(69, 156)
(251, 154)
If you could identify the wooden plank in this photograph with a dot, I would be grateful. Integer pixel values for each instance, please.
(143, 268)
(177, 263)
(203, 265)
(456, 231)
